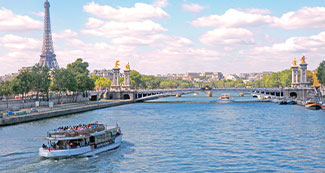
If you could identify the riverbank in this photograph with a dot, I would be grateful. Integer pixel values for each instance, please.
(60, 111)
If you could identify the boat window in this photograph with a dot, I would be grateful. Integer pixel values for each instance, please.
(92, 139)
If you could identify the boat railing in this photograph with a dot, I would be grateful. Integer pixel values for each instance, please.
(72, 132)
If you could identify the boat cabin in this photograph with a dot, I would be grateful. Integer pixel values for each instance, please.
(72, 137)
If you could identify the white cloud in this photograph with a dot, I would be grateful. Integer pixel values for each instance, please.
(140, 11)
(16, 43)
(160, 3)
(257, 11)
(227, 37)
(112, 29)
(194, 8)
(307, 17)
(297, 44)
(39, 14)
(279, 55)
(127, 26)
(65, 34)
(234, 18)
(11, 22)
(21, 52)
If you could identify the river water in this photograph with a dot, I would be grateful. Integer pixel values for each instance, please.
(188, 134)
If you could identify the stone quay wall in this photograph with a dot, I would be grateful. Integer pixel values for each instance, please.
(59, 112)
(15, 105)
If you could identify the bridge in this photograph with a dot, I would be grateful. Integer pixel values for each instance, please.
(143, 95)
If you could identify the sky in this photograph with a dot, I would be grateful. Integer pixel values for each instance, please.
(166, 36)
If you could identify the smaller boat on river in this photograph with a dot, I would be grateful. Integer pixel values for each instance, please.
(313, 105)
(224, 97)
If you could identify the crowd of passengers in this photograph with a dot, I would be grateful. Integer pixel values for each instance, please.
(78, 127)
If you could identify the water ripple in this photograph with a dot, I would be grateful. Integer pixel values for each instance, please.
(241, 137)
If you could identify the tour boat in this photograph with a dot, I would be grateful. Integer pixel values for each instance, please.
(323, 106)
(311, 105)
(224, 97)
(81, 140)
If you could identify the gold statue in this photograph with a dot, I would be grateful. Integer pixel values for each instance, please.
(294, 62)
(303, 60)
(127, 66)
(117, 64)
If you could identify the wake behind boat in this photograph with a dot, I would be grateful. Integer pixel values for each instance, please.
(81, 140)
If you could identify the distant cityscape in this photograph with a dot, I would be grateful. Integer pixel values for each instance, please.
(195, 76)
(189, 76)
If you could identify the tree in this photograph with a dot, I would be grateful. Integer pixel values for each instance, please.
(79, 70)
(185, 84)
(101, 83)
(275, 80)
(310, 77)
(164, 84)
(321, 73)
(285, 78)
(40, 79)
(22, 84)
(136, 79)
(63, 81)
(5, 88)
(151, 82)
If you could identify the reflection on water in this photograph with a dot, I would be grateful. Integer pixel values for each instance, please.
(183, 138)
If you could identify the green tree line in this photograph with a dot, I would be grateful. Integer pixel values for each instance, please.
(74, 78)
(139, 81)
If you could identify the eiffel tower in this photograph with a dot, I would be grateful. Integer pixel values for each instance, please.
(48, 58)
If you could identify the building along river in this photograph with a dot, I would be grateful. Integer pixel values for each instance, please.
(193, 135)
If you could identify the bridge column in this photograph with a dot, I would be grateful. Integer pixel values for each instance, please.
(116, 80)
(303, 74)
(295, 80)
(126, 84)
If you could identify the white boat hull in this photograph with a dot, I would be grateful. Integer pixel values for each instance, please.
(82, 151)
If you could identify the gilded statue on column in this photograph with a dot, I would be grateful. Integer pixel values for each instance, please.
(127, 66)
(117, 64)
(303, 60)
(294, 62)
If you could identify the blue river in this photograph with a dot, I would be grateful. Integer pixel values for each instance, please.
(187, 134)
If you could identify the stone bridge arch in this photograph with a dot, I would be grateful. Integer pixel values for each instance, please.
(293, 94)
(126, 97)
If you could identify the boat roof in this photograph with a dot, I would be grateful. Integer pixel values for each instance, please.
(79, 131)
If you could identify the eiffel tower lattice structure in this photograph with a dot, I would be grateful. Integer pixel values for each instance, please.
(48, 58)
